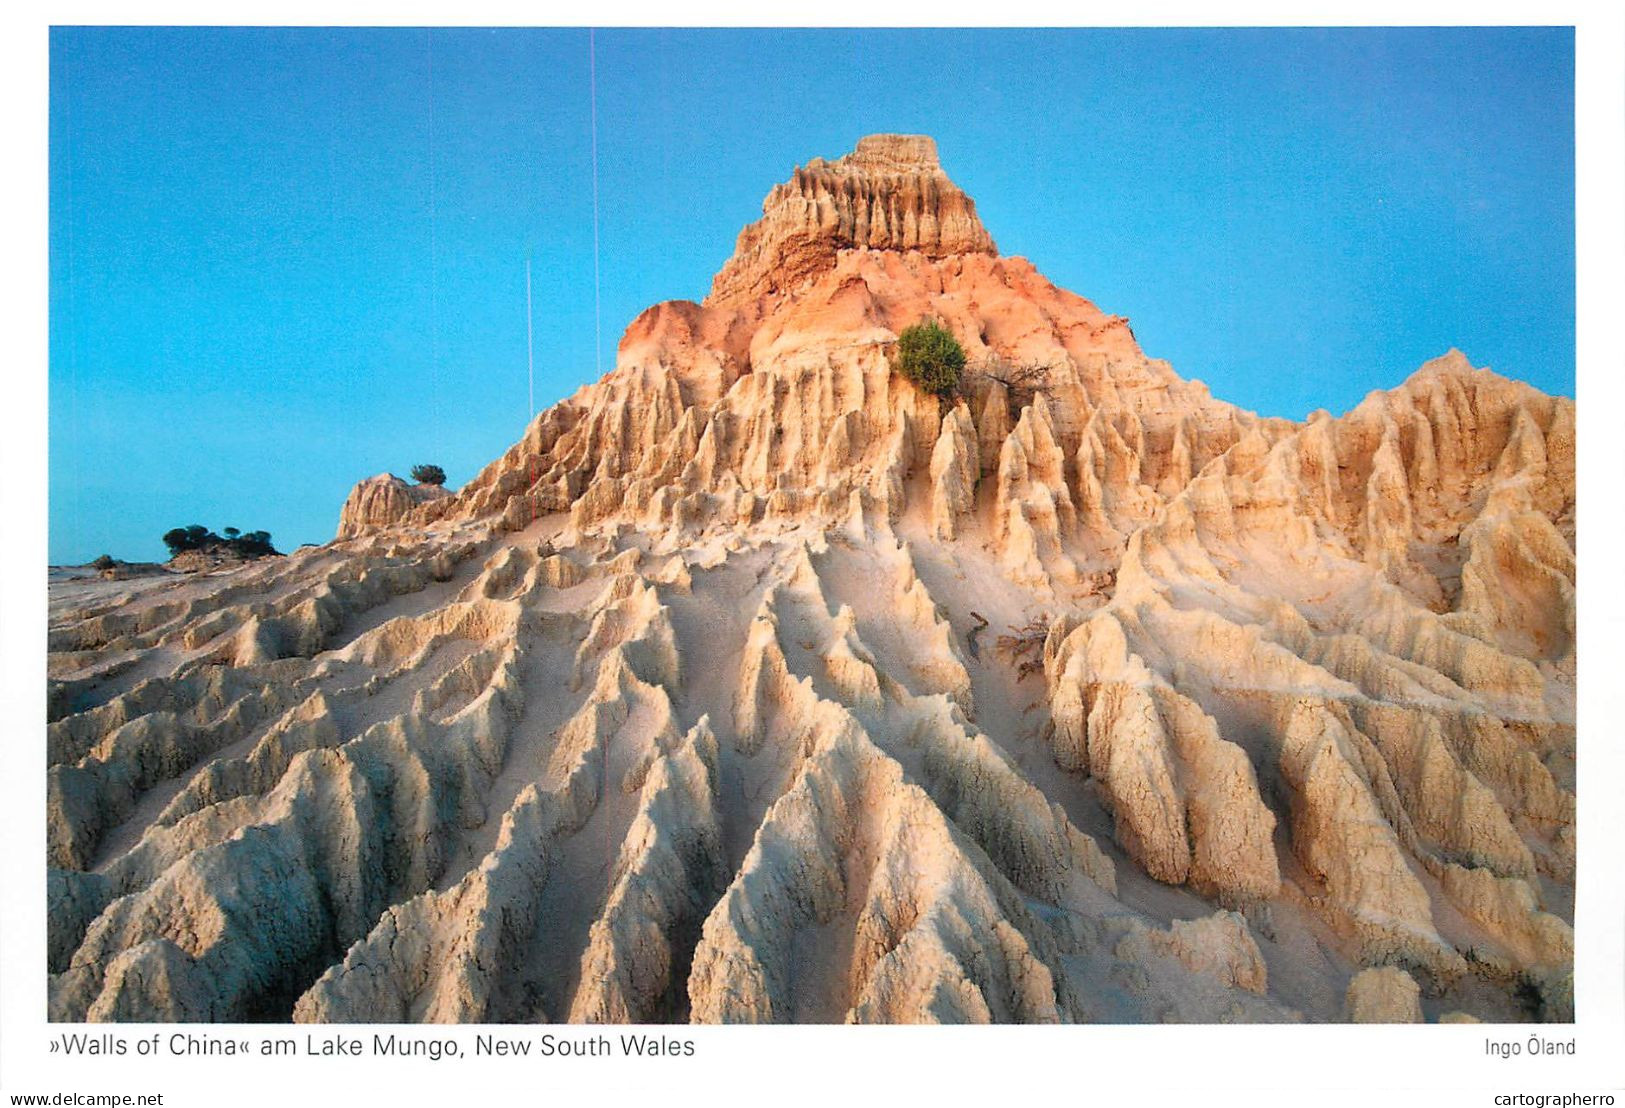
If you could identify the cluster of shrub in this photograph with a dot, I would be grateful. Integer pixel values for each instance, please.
(928, 354)
(249, 544)
(253, 544)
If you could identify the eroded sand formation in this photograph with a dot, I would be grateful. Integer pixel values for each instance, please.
(694, 706)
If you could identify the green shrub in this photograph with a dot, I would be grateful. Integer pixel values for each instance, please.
(195, 537)
(428, 475)
(255, 544)
(930, 356)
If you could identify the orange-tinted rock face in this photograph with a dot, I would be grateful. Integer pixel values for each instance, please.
(779, 385)
(889, 194)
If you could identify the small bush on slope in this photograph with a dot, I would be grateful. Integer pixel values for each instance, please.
(930, 356)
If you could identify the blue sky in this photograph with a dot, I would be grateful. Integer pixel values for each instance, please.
(284, 260)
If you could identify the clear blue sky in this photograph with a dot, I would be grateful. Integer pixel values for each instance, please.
(284, 260)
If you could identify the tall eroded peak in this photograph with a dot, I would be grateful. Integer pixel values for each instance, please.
(888, 194)
(892, 153)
